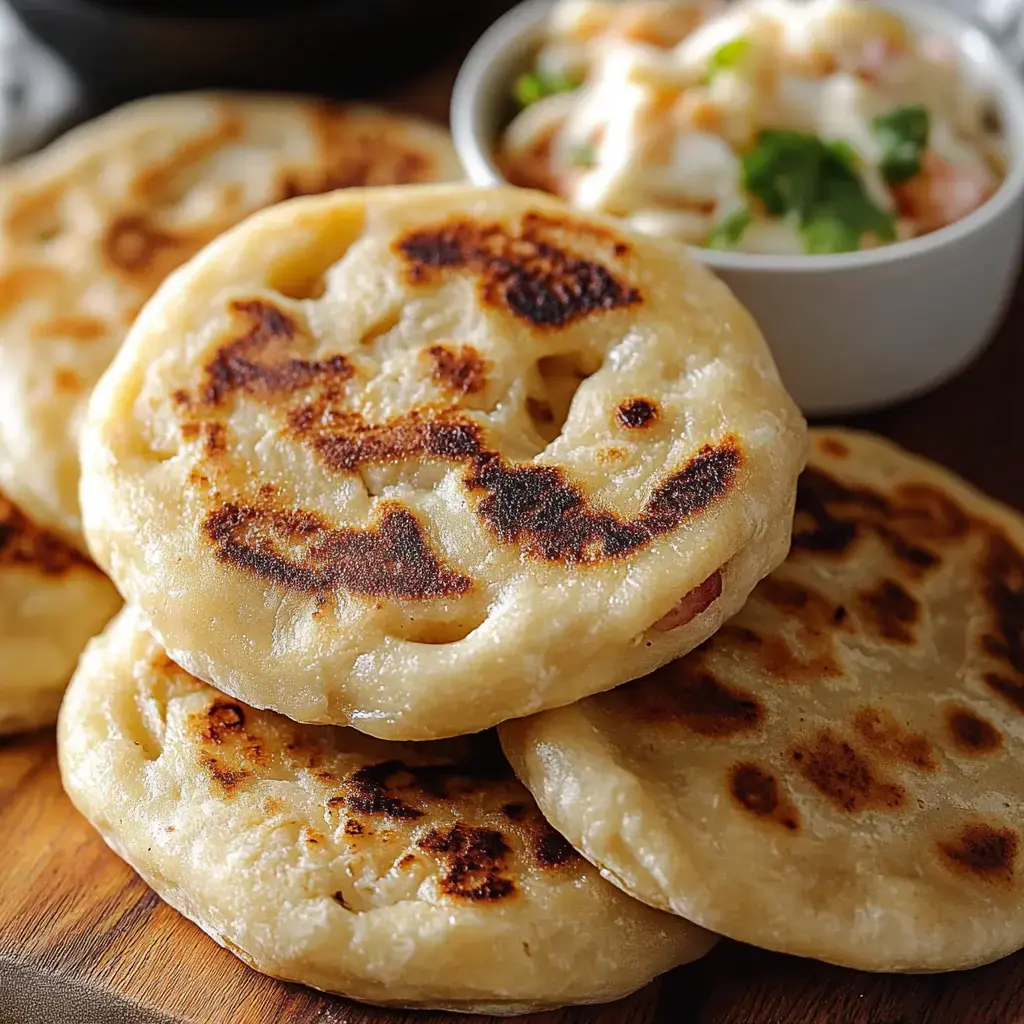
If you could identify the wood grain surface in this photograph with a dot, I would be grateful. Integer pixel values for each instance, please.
(83, 941)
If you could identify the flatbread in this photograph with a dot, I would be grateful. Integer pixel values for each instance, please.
(91, 225)
(329, 464)
(52, 600)
(839, 772)
(400, 874)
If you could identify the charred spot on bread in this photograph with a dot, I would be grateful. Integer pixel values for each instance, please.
(844, 776)
(459, 369)
(758, 791)
(515, 811)
(348, 443)
(22, 543)
(476, 862)
(227, 779)
(300, 550)
(637, 413)
(131, 242)
(522, 270)
(551, 849)
(983, 852)
(890, 740)
(371, 790)
(833, 447)
(215, 439)
(832, 517)
(1010, 690)
(972, 734)
(1002, 573)
(686, 692)
(401, 789)
(259, 363)
(223, 718)
(891, 611)
(355, 151)
(538, 507)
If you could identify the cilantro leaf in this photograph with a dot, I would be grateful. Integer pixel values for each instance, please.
(844, 151)
(903, 133)
(825, 232)
(845, 199)
(727, 233)
(728, 55)
(907, 123)
(535, 85)
(782, 170)
(798, 175)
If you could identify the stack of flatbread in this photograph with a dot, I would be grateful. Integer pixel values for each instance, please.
(381, 469)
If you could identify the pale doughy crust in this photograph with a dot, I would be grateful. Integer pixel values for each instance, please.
(839, 772)
(327, 463)
(402, 874)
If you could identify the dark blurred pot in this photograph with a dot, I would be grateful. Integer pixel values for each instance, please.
(126, 48)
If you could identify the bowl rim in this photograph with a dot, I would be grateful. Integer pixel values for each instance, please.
(516, 27)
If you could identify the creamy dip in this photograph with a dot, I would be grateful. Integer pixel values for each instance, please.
(767, 126)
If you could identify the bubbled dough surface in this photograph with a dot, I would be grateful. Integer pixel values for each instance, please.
(402, 874)
(341, 508)
(839, 772)
(90, 225)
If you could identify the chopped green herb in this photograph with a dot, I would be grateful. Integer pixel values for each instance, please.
(827, 233)
(583, 155)
(783, 169)
(796, 174)
(842, 149)
(729, 231)
(528, 89)
(903, 133)
(728, 55)
(535, 85)
(844, 198)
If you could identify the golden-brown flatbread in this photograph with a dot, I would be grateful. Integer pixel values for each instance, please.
(52, 600)
(93, 223)
(839, 771)
(401, 874)
(420, 460)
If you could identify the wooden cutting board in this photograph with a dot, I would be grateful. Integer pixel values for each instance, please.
(83, 941)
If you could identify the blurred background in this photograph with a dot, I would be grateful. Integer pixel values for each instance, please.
(63, 60)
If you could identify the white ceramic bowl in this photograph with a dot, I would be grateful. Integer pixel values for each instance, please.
(851, 331)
